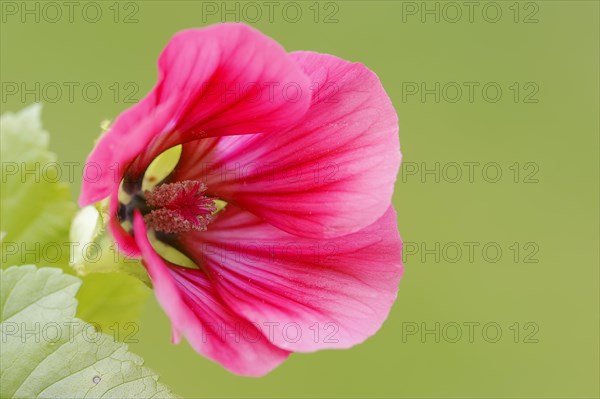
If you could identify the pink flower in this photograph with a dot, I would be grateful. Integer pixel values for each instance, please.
(303, 149)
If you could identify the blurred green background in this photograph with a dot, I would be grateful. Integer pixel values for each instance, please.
(540, 133)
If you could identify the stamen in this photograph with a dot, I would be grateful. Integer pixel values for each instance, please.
(179, 207)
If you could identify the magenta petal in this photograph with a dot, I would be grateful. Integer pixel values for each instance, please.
(221, 80)
(232, 79)
(210, 326)
(331, 174)
(116, 148)
(305, 294)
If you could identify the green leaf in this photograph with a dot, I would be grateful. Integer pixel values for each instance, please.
(36, 208)
(114, 301)
(97, 251)
(35, 223)
(115, 287)
(47, 352)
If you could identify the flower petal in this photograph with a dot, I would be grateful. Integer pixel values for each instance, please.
(116, 148)
(197, 312)
(332, 174)
(305, 294)
(221, 80)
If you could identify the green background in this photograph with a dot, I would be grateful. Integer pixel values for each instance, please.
(553, 212)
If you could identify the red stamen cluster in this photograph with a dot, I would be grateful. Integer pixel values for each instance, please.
(179, 207)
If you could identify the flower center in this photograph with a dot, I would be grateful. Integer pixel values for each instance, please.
(174, 207)
(179, 207)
